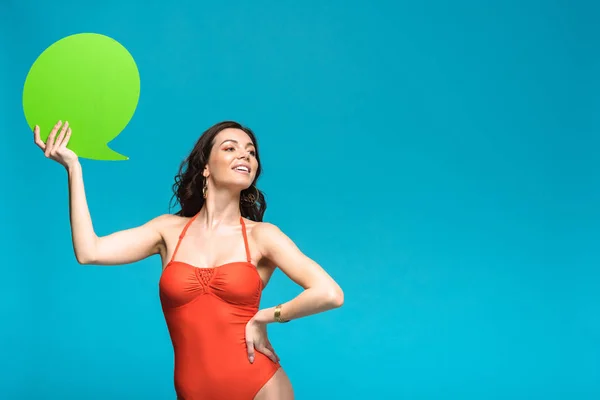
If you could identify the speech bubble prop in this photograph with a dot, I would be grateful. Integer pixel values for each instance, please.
(91, 81)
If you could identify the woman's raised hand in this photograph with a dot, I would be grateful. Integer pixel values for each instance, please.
(55, 147)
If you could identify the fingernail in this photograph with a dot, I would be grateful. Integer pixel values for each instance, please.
(251, 359)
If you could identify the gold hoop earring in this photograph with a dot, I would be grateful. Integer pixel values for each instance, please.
(205, 187)
(251, 198)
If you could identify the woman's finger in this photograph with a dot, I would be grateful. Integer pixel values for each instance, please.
(54, 130)
(36, 138)
(50, 141)
(270, 347)
(250, 348)
(265, 350)
(61, 136)
(65, 141)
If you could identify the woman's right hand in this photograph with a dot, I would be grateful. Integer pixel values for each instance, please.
(55, 147)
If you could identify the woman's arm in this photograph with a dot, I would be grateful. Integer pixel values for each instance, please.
(321, 292)
(118, 248)
(121, 247)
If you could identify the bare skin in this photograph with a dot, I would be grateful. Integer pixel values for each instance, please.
(216, 234)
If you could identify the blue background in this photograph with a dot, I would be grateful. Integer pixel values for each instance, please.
(439, 159)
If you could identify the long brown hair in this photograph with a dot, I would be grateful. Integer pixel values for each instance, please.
(189, 181)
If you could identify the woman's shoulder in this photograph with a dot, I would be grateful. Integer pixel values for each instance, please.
(268, 234)
(263, 228)
(168, 219)
(165, 222)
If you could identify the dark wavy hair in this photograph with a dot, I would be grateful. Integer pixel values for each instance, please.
(189, 181)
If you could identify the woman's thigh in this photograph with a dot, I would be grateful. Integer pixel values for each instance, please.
(278, 387)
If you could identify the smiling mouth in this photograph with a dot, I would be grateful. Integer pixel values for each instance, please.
(242, 170)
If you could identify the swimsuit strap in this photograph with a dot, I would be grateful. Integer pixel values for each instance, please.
(182, 234)
(245, 239)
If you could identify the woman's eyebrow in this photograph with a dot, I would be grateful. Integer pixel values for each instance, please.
(236, 142)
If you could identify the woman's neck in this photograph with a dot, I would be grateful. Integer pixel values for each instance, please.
(220, 208)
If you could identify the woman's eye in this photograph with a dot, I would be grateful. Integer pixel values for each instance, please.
(253, 153)
(229, 148)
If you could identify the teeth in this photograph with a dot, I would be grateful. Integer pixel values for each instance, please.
(242, 169)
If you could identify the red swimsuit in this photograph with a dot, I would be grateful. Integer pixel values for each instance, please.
(206, 311)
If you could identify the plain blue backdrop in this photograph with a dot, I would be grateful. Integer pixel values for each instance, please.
(439, 159)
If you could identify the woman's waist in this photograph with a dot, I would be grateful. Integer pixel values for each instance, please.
(202, 332)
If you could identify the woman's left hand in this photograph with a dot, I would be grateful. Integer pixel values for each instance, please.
(256, 339)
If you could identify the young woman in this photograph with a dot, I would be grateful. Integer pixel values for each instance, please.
(217, 256)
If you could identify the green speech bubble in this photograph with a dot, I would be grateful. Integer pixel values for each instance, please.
(91, 81)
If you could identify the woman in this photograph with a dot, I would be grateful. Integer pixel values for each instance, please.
(217, 257)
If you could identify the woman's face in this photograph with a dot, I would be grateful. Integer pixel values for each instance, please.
(232, 160)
